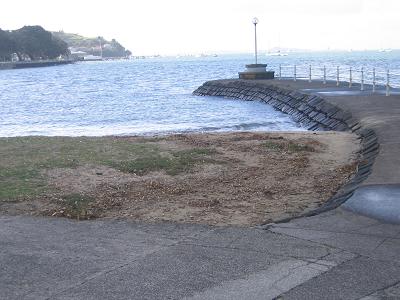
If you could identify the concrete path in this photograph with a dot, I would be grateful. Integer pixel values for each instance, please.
(335, 255)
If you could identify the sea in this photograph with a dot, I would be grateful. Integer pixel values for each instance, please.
(153, 96)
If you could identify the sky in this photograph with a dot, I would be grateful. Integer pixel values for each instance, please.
(171, 27)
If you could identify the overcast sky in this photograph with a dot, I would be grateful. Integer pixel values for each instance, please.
(208, 26)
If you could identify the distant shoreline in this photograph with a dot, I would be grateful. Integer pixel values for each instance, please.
(33, 64)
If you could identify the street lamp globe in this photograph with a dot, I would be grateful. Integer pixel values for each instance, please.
(255, 21)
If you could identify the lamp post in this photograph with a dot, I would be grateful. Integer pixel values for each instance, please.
(101, 48)
(256, 71)
(255, 22)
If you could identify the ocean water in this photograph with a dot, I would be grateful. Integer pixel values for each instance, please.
(149, 96)
(368, 60)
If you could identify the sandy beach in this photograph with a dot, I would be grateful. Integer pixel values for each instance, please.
(220, 179)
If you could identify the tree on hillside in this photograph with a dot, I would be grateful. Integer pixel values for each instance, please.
(58, 47)
(92, 45)
(7, 46)
(37, 43)
(115, 49)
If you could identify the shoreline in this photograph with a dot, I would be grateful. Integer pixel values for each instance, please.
(33, 64)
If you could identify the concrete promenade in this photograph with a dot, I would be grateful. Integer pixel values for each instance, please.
(335, 255)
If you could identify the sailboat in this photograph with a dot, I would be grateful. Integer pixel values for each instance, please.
(277, 53)
(385, 50)
(382, 49)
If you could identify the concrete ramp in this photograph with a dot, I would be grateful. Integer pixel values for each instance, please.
(380, 202)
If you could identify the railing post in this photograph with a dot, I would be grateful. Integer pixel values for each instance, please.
(362, 78)
(324, 74)
(337, 76)
(373, 80)
(388, 83)
(351, 78)
(294, 74)
(309, 75)
(280, 71)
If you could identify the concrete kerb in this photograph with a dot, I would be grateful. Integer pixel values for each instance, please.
(314, 113)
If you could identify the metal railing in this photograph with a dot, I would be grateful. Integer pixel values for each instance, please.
(343, 75)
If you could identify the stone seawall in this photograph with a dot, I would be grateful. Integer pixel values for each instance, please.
(314, 113)
(6, 66)
(33, 64)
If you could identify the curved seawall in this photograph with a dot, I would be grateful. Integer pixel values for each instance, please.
(313, 112)
(33, 64)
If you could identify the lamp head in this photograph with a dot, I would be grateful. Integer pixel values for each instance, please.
(255, 21)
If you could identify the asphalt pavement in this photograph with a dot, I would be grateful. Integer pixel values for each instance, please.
(336, 255)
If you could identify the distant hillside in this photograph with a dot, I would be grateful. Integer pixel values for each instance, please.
(30, 43)
(91, 46)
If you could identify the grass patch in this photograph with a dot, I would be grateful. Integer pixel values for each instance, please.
(288, 146)
(293, 147)
(24, 160)
(172, 164)
(274, 146)
(20, 182)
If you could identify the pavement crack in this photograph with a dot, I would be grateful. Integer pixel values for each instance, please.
(307, 240)
(342, 249)
(107, 271)
(257, 251)
(281, 296)
(380, 290)
(381, 243)
(290, 272)
(321, 244)
(120, 266)
(331, 231)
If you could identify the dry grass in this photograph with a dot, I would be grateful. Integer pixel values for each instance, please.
(236, 178)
